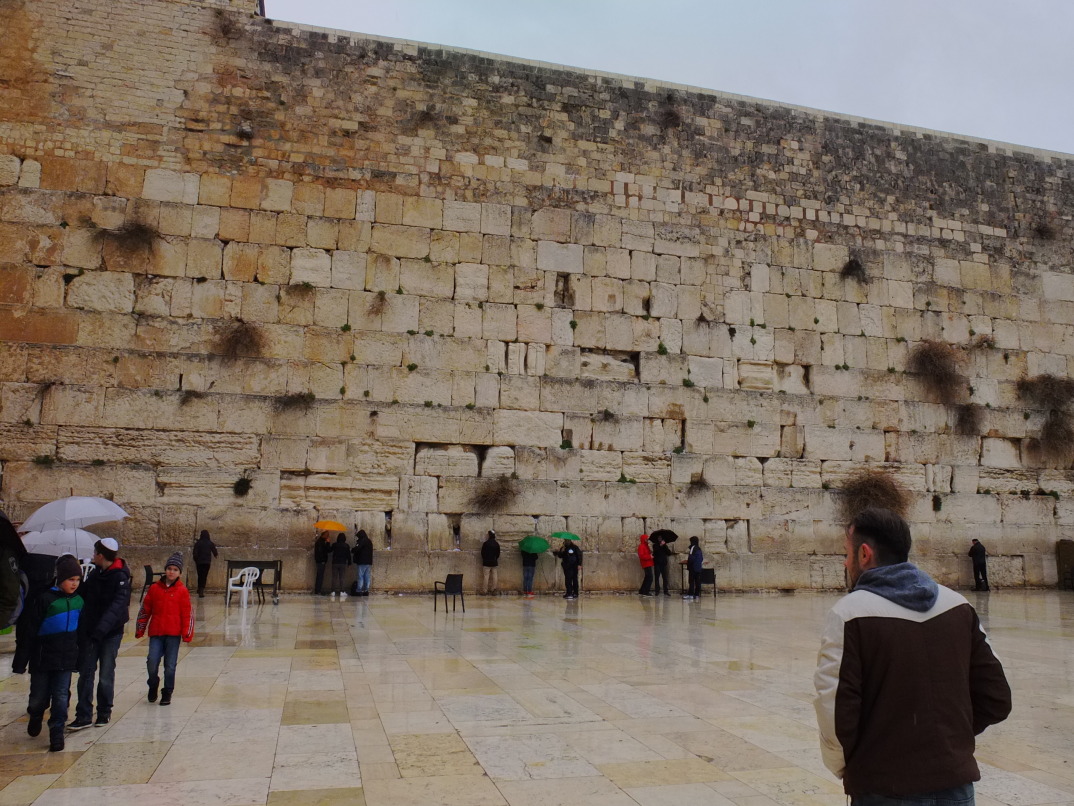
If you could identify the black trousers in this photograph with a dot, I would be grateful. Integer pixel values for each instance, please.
(203, 576)
(980, 576)
(661, 573)
(570, 581)
(647, 583)
(318, 582)
(695, 583)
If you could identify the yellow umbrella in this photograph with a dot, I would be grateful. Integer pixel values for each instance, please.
(330, 526)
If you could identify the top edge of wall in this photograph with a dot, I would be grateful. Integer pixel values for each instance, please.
(996, 146)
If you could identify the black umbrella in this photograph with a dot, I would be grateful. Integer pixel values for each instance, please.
(666, 535)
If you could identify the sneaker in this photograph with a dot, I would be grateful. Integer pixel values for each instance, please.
(33, 727)
(78, 724)
(102, 722)
(56, 745)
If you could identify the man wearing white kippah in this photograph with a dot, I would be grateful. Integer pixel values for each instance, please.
(107, 593)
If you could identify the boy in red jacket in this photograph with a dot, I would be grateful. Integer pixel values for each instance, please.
(166, 611)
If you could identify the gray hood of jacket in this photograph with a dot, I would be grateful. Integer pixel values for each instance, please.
(903, 583)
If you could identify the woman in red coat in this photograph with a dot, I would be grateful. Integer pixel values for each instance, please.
(167, 613)
(645, 556)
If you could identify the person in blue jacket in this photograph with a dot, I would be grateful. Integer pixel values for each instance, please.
(694, 560)
(55, 616)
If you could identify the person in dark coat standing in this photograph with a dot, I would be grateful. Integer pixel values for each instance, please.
(203, 552)
(341, 560)
(661, 553)
(645, 557)
(54, 618)
(322, 552)
(12, 554)
(490, 561)
(107, 592)
(694, 560)
(529, 569)
(570, 557)
(978, 554)
(363, 558)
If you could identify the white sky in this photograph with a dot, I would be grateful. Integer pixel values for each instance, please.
(986, 68)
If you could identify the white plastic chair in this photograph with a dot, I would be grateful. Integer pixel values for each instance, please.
(243, 583)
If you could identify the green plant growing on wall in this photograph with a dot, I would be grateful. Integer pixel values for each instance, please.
(129, 236)
(854, 269)
(872, 488)
(379, 304)
(294, 401)
(492, 495)
(45, 460)
(240, 339)
(698, 484)
(189, 396)
(969, 418)
(566, 445)
(936, 365)
(241, 486)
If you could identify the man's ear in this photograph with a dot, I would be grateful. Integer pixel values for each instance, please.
(866, 556)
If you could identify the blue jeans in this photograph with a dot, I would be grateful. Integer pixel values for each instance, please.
(50, 689)
(955, 796)
(527, 578)
(93, 653)
(365, 576)
(168, 647)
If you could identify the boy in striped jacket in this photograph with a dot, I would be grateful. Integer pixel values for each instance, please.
(54, 651)
(169, 618)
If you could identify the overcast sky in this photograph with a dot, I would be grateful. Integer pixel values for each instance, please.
(993, 69)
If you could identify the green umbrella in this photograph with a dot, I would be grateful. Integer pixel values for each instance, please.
(533, 544)
(565, 536)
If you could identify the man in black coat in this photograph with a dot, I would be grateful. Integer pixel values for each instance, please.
(661, 553)
(341, 560)
(978, 554)
(107, 593)
(322, 550)
(490, 561)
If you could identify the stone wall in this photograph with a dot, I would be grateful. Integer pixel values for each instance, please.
(379, 277)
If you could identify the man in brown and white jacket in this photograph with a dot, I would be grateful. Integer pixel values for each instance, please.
(905, 678)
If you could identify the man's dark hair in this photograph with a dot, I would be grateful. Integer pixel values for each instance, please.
(887, 534)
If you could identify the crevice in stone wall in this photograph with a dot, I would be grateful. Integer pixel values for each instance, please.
(564, 294)
(612, 365)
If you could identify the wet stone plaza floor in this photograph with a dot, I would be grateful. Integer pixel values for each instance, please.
(606, 701)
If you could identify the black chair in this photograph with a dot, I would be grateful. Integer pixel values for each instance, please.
(453, 586)
(708, 577)
(151, 576)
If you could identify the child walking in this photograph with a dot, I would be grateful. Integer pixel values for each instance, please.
(54, 651)
(167, 614)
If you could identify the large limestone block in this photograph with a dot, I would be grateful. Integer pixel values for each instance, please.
(647, 467)
(29, 482)
(618, 433)
(284, 453)
(499, 461)
(400, 241)
(313, 266)
(360, 492)
(453, 460)
(599, 465)
(185, 448)
(560, 257)
(205, 487)
(843, 444)
(756, 376)
(102, 291)
(997, 452)
(738, 439)
(384, 458)
(18, 440)
(462, 216)
(537, 428)
(418, 493)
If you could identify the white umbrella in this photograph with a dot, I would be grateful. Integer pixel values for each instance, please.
(77, 510)
(60, 541)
